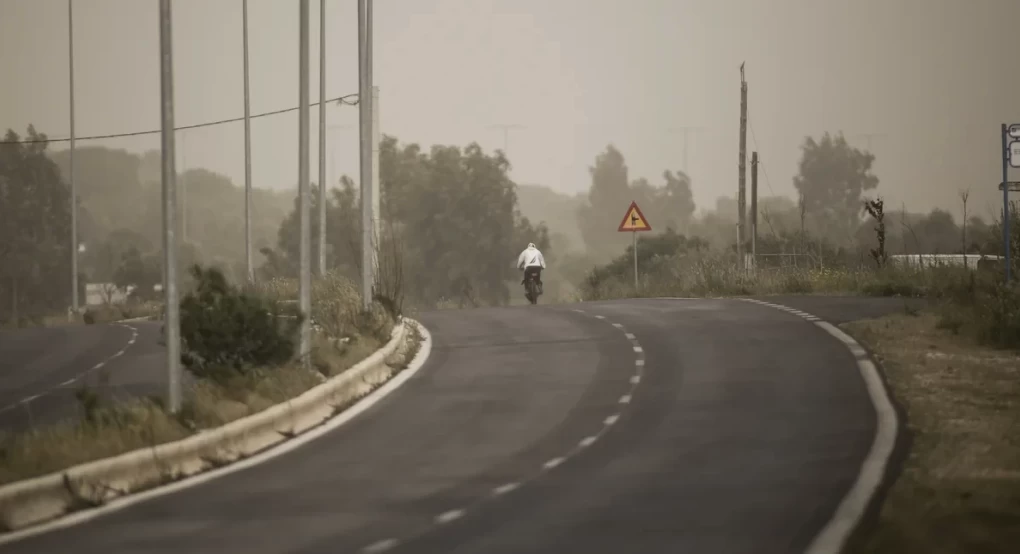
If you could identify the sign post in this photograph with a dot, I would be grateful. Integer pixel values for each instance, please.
(1010, 158)
(634, 221)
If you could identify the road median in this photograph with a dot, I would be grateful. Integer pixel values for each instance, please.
(32, 501)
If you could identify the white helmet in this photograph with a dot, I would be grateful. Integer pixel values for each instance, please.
(531, 245)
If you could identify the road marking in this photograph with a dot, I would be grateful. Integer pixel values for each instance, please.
(638, 349)
(635, 379)
(381, 546)
(576, 310)
(68, 382)
(851, 509)
(625, 399)
(618, 326)
(612, 419)
(552, 463)
(600, 317)
(640, 362)
(503, 489)
(28, 399)
(447, 517)
(98, 366)
(282, 448)
(629, 336)
(587, 441)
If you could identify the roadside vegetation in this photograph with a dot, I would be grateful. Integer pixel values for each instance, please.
(240, 349)
(958, 490)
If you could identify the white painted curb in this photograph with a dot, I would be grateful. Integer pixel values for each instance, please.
(37, 500)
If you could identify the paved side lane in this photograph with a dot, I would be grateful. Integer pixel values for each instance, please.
(41, 368)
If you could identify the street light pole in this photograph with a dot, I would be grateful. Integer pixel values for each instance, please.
(75, 303)
(249, 262)
(365, 124)
(322, 138)
(172, 322)
(304, 293)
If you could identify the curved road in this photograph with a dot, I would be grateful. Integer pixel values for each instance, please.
(41, 368)
(645, 426)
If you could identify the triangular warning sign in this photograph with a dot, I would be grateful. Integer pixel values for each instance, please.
(634, 220)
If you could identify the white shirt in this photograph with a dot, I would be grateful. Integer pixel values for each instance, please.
(529, 258)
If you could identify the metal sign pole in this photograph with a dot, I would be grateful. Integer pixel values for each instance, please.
(172, 321)
(1005, 199)
(635, 260)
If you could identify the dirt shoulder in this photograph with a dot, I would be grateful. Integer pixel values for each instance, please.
(958, 490)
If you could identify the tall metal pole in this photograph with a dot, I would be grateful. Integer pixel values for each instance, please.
(754, 210)
(365, 128)
(322, 137)
(376, 185)
(74, 186)
(741, 195)
(374, 136)
(248, 258)
(172, 321)
(305, 286)
(1005, 200)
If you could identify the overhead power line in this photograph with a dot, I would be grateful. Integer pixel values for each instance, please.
(342, 100)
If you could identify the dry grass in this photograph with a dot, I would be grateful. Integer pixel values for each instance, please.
(959, 490)
(128, 426)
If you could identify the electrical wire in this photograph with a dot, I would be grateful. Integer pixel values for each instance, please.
(342, 100)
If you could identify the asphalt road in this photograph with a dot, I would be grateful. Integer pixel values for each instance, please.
(41, 368)
(538, 429)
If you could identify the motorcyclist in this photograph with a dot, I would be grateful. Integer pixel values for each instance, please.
(532, 262)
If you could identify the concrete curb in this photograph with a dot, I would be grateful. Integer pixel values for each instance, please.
(36, 500)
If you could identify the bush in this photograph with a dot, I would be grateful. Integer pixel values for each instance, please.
(226, 331)
(998, 315)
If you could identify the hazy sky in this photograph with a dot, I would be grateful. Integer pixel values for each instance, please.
(933, 78)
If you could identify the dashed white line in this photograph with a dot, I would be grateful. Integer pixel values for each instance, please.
(28, 399)
(553, 463)
(640, 362)
(618, 326)
(503, 489)
(635, 379)
(98, 366)
(638, 349)
(68, 382)
(587, 441)
(612, 419)
(629, 336)
(381, 546)
(600, 317)
(625, 399)
(447, 517)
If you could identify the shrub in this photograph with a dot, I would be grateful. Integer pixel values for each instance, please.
(998, 309)
(226, 331)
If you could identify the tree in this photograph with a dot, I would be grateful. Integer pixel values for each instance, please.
(608, 198)
(832, 181)
(452, 213)
(139, 273)
(35, 229)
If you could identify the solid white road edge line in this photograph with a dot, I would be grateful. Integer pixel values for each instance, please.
(833, 536)
(284, 447)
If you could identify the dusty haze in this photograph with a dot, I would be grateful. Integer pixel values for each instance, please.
(933, 79)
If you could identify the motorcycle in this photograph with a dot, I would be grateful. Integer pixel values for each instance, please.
(531, 290)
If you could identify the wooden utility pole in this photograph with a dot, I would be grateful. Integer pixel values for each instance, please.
(754, 209)
(741, 193)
